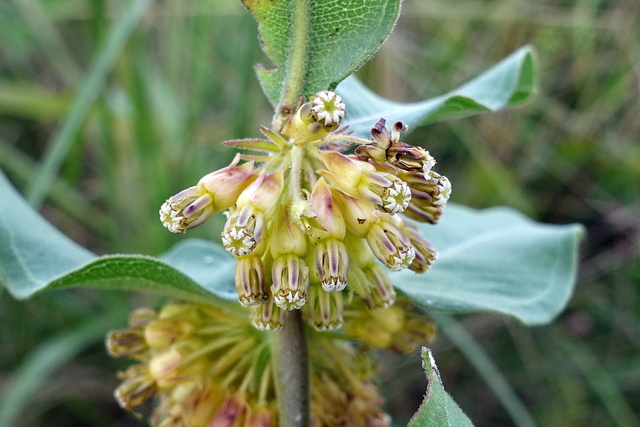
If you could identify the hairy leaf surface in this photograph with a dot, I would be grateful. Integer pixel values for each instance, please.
(326, 39)
(506, 84)
(438, 409)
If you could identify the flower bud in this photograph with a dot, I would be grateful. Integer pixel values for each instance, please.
(187, 209)
(141, 317)
(128, 342)
(325, 309)
(426, 254)
(430, 194)
(225, 185)
(361, 180)
(290, 276)
(376, 328)
(232, 412)
(250, 282)
(389, 244)
(243, 231)
(137, 387)
(162, 333)
(316, 118)
(410, 158)
(332, 264)
(263, 193)
(268, 316)
(359, 215)
(245, 226)
(261, 417)
(164, 365)
(287, 237)
(380, 294)
(328, 215)
(416, 331)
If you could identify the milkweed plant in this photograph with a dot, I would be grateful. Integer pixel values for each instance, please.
(338, 241)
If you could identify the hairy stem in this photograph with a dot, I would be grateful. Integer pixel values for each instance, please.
(289, 355)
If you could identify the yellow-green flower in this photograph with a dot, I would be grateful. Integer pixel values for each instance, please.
(203, 365)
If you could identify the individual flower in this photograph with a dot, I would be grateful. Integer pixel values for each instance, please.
(361, 180)
(247, 220)
(315, 119)
(215, 192)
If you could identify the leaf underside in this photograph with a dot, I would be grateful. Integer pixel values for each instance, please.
(506, 84)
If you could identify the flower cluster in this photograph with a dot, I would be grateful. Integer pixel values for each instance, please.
(312, 220)
(207, 366)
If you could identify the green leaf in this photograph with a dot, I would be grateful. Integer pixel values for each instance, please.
(32, 251)
(508, 83)
(35, 256)
(496, 260)
(314, 44)
(438, 409)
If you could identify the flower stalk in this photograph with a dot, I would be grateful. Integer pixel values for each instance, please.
(291, 369)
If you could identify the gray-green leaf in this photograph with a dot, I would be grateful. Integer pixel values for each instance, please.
(35, 256)
(438, 409)
(319, 42)
(508, 83)
(496, 260)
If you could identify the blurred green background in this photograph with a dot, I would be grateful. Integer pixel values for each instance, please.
(182, 81)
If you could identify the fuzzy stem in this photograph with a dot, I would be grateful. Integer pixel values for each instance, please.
(291, 369)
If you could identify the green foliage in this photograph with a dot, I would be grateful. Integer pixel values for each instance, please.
(320, 41)
(506, 84)
(569, 155)
(484, 257)
(497, 260)
(438, 408)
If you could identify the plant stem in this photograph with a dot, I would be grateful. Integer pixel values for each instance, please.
(289, 354)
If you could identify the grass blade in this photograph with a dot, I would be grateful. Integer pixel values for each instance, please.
(44, 360)
(63, 138)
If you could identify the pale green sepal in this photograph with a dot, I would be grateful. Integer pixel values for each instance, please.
(506, 84)
(438, 409)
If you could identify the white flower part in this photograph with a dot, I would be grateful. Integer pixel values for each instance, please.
(171, 218)
(396, 198)
(402, 259)
(333, 284)
(428, 163)
(444, 191)
(262, 326)
(328, 107)
(238, 241)
(292, 300)
(330, 326)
